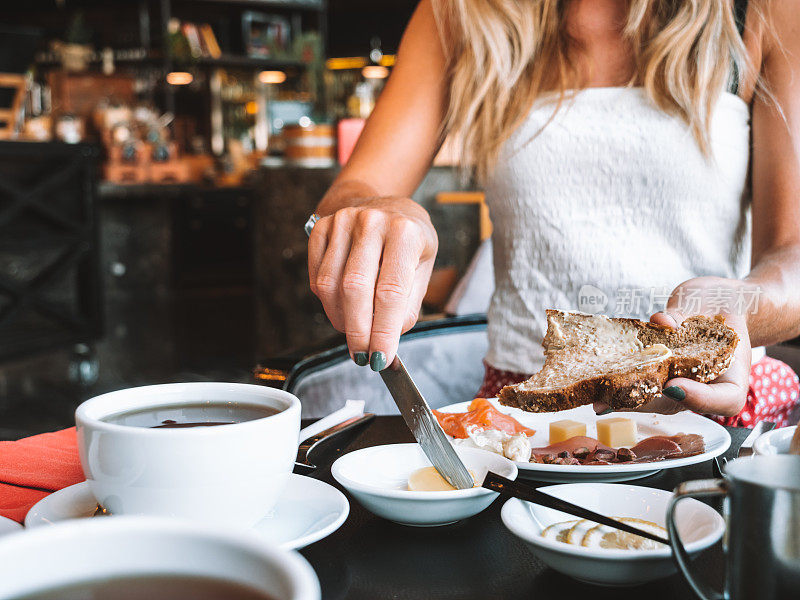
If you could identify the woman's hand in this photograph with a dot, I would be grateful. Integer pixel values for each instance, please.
(726, 395)
(370, 265)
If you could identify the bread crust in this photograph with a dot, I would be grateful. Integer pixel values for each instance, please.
(628, 389)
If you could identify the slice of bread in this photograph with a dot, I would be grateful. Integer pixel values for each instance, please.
(621, 362)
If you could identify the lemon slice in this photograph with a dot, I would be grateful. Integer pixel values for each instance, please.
(602, 536)
(558, 531)
(578, 531)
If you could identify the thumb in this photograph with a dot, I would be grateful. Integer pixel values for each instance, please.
(669, 317)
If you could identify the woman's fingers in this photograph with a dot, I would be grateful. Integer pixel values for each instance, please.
(329, 275)
(418, 289)
(401, 254)
(317, 244)
(358, 282)
(370, 265)
(724, 398)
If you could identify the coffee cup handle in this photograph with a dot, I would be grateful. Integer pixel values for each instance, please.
(691, 489)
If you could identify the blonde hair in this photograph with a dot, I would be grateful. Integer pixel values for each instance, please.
(504, 54)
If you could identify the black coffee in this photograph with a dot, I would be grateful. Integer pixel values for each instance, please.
(200, 414)
(161, 587)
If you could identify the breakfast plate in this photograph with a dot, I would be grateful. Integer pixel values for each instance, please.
(716, 438)
(307, 511)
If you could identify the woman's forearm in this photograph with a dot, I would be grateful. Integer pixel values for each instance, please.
(774, 286)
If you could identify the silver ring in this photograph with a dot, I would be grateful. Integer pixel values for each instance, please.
(312, 220)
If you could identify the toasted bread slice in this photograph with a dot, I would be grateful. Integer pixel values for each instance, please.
(621, 362)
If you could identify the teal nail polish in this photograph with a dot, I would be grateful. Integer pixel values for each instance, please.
(675, 393)
(361, 359)
(377, 362)
(605, 412)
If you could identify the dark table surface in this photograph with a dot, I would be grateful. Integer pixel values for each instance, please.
(371, 559)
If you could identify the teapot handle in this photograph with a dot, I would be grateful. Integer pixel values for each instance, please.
(691, 489)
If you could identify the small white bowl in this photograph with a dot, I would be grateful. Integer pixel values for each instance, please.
(699, 526)
(774, 442)
(378, 478)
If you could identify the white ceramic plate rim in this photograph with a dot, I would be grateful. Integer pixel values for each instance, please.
(8, 526)
(514, 507)
(616, 468)
(36, 516)
(376, 490)
(322, 532)
(766, 442)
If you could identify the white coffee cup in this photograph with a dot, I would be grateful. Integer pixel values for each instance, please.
(80, 551)
(227, 474)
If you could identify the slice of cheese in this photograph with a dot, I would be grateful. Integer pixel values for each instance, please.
(563, 430)
(616, 432)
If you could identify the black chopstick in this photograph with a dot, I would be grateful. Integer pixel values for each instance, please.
(498, 483)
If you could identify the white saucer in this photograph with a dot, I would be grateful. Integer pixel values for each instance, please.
(8, 526)
(307, 511)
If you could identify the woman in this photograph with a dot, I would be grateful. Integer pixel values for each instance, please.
(612, 138)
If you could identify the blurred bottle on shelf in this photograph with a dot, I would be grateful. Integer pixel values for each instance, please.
(362, 101)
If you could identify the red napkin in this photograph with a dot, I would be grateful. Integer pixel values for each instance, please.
(48, 461)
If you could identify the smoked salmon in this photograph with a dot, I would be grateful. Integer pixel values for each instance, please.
(480, 413)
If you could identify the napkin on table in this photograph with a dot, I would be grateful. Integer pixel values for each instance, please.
(48, 461)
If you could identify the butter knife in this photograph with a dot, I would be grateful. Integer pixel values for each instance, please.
(424, 426)
(760, 428)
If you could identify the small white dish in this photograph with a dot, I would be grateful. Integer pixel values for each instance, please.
(699, 526)
(774, 442)
(307, 511)
(99, 549)
(378, 478)
(8, 526)
(717, 441)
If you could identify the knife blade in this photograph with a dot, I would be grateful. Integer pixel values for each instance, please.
(424, 426)
(746, 449)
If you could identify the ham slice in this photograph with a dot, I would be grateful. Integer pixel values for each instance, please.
(661, 447)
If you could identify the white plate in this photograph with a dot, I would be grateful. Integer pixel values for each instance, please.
(699, 527)
(308, 510)
(8, 526)
(716, 438)
(776, 441)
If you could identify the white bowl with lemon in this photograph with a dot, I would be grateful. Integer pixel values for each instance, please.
(602, 555)
(398, 483)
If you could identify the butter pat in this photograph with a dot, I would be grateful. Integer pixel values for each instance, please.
(563, 430)
(427, 479)
(616, 432)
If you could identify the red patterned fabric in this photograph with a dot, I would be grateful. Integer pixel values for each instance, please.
(774, 392)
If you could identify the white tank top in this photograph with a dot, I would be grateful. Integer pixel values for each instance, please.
(608, 209)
